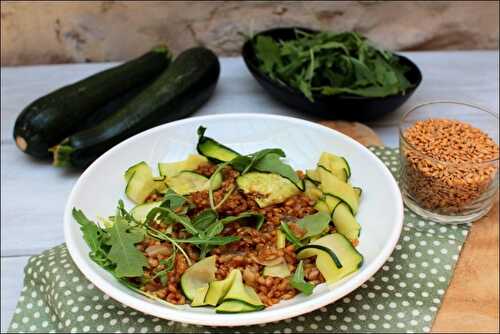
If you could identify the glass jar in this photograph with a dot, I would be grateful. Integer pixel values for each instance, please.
(438, 188)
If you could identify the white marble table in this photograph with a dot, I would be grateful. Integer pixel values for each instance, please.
(33, 193)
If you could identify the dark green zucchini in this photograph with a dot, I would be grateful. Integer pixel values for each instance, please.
(111, 107)
(212, 149)
(53, 117)
(325, 249)
(179, 91)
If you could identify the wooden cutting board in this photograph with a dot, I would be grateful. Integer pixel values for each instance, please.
(471, 303)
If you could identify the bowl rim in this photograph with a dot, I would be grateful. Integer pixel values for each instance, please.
(130, 298)
(247, 48)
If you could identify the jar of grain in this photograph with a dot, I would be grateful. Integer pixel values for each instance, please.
(449, 161)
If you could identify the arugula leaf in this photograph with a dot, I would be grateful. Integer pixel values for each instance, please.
(330, 64)
(272, 163)
(169, 217)
(209, 227)
(290, 235)
(128, 259)
(216, 241)
(204, 219)
(298, 282)
(172, 200)
(122, 213)
(244, 163)
(91, 232)
(249, 215)
(95, 237)
(259, 155)
(314, 224)
(268, 52)
(214, 229)
(240, 162)
(169, 264)
(162, 236)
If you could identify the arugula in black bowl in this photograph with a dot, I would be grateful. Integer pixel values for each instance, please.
(332, 75)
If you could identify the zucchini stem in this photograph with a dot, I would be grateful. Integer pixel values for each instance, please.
(62, 155)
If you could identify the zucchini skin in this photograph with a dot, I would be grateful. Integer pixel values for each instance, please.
(178, 92)
(51, 118)
(111, 107)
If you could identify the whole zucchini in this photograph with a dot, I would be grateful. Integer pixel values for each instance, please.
(179, 91)
(53, 117)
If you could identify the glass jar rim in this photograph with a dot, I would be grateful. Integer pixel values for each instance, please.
(426, 156)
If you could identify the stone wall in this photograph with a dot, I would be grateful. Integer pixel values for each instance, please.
(59, 32)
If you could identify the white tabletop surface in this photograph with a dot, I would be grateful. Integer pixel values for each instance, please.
(33, 193)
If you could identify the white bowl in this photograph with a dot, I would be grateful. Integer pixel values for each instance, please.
(101, 185)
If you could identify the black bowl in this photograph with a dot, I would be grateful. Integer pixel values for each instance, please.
(342, 106)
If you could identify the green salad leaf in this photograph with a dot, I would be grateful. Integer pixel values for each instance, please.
(170, 217)
(95, 238)
(271, 163)
(314, 224)
(172, 200)
(214, 241)
(268, 53)
(113, 248)
(290, 236)
(298, 282)
(214, 229)
(249, 215)
(204, 219)
(245, 163)
(92, 234)
(169, 264)
(331, 63)
(128, 259)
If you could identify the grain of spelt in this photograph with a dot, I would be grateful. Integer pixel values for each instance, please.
(447, 165)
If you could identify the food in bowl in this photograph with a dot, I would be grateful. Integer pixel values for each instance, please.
(328, 63)
(448, 166)
(232, 231)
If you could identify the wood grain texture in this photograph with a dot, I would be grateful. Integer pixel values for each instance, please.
(360, 132)
(471, 302)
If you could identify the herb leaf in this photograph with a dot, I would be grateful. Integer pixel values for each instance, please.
(249, 215)
(215, 241)
(169, 217)
(290, 236)
(94, 236)
(91, 232)
(169, 264)
(204, 219)
(272, 163)
(214, 229)
(330, 64)
(128, 259)
(244, 163)
(268, 52)
(314, 224)
(298, 282)
(172, 200)
(122, 213)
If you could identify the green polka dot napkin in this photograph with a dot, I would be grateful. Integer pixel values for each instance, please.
(403, 296)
